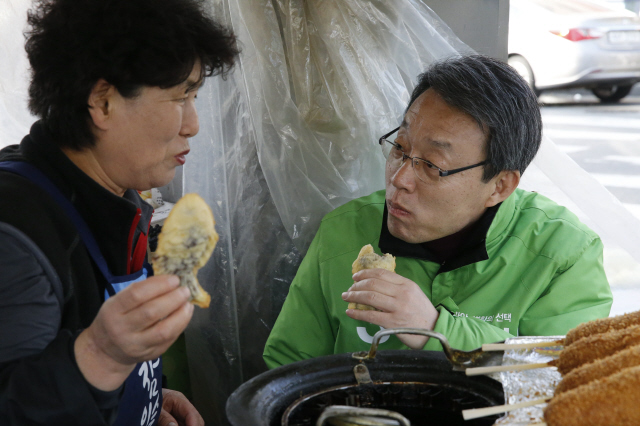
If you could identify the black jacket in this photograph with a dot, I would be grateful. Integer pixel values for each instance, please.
(50, 289)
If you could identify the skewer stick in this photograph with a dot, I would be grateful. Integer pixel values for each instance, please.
(487, 347)
(477, 371)
(489, 411)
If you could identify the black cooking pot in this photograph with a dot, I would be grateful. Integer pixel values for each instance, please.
(419, 385)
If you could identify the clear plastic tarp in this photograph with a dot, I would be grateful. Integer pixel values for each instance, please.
(15, 118)
(288, 136)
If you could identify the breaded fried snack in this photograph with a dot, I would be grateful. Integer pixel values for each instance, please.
(591, 348)
(602, 325)
(610, 401)
(600, 368)
(368, 259)
(185, 244)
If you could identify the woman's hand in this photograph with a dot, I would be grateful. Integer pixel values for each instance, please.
(401, 301)
(178, 411)
(137, 324)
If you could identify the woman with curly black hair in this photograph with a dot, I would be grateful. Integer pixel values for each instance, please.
(84, 323)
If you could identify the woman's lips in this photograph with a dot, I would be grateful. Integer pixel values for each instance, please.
(396, 210)
(180, 158)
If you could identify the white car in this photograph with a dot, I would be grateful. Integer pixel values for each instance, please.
(561, 44)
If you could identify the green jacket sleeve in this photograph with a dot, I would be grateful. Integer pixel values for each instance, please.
(577, 294)
(303, 329)
(464, 333)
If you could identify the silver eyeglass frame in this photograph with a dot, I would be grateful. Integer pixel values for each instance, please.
(429, 164)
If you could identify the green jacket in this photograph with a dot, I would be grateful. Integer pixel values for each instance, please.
(543, 276)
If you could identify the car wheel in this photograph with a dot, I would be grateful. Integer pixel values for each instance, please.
(521, 65)
(613, 93)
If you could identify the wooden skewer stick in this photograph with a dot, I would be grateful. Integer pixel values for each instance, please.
(477, 371)
(489, 411)
(487, 347)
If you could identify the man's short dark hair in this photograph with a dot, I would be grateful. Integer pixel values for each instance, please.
(500, 101)
(71, 44)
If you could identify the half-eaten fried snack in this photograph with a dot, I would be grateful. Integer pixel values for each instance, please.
(185, 244)
(368, 259)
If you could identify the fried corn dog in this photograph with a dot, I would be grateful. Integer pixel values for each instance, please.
(610, 401)
(600, 326)
(599, 369)
(594, 347)
(368, 259)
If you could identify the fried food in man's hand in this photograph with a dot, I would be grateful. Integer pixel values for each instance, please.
(368, 259)
(185, 244)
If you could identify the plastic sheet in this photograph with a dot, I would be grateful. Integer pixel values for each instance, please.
(560, 178)
(290, 135)
(15, 118)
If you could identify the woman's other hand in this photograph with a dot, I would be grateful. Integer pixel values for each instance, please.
(178, 411)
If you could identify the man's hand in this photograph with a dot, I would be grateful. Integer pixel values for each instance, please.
(402, 302)
(178, 411)
(137, 324)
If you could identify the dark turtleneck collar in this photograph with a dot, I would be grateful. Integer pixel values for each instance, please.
(453, 251)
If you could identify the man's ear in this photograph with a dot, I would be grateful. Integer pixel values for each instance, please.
(100, 103)
(505, 183)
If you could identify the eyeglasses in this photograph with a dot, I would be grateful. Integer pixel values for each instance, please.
(425, 170)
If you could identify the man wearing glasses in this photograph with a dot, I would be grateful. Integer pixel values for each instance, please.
(477, 259)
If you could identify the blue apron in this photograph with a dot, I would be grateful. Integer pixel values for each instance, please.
(142, 399)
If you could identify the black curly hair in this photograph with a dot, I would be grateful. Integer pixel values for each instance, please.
(71, 44)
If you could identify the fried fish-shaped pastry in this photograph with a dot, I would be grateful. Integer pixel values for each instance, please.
(185, 244)
(368, 259)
